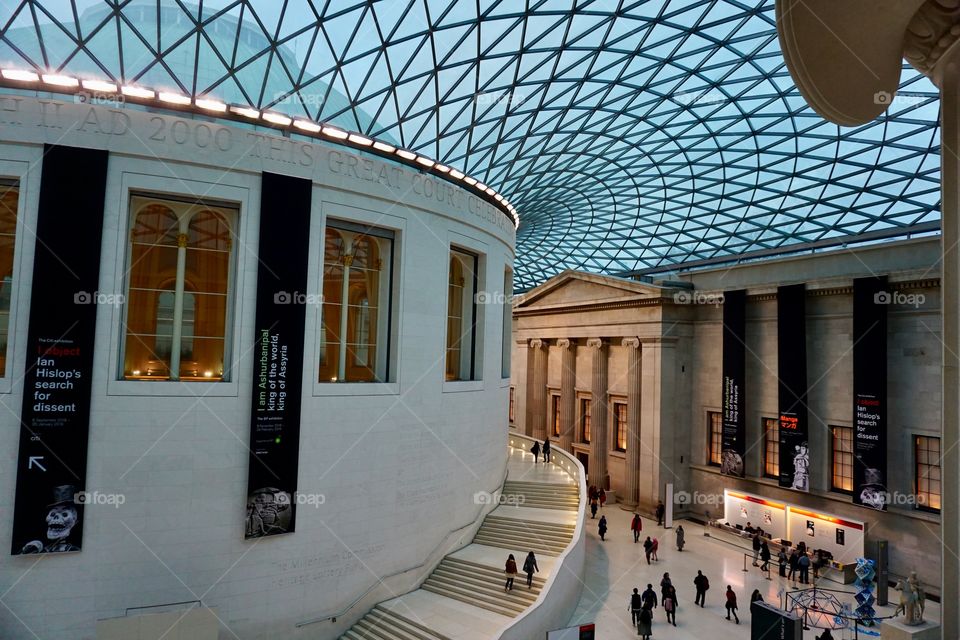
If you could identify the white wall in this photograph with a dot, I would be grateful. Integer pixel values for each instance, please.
(398, 463)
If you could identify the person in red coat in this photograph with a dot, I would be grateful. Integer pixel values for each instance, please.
(636, 525)
(511, 571)
(732, 604)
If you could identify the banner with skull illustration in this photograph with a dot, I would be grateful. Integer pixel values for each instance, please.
(734, 371)
(792, 387)
(278, 356)
(870, 300)
(55, 413)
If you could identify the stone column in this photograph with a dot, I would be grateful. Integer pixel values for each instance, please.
(598, 413)
(658, 396)
(568, 392)
(631, 489)
(536, 410)
(949, 80)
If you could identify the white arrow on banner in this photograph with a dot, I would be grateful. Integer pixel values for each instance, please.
(35, 460)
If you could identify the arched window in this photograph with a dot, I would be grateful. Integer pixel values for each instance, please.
(354, 332)
(178, 290)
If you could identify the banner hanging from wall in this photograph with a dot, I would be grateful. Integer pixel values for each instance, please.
(792, 387)
(871, 297)
(278, 355)
(55, 413)
(734, 370)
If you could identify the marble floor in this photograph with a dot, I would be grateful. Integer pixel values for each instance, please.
(616, 566)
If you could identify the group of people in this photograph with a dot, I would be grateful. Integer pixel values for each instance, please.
(642, 604)
(529, 567)
(536, 449)
(598, 498)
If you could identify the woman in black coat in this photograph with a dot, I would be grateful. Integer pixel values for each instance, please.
(529, 567)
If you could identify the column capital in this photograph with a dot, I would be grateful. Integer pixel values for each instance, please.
(632, 341)
(596, 343)
(537, 343)
(567, 343)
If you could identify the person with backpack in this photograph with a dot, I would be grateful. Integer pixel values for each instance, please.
(732, 604)
(669, 602)
(602, 527)
(636, 525)
(702, 584)
(648, 548)
(511, 572)
(546, 450)
(535, 450)
(636, 603)
(529, 567)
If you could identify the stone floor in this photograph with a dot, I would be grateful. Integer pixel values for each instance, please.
(616, 566)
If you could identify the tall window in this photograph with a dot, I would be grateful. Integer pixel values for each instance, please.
(461, 315)
(771, 447)
(513, 405)
(585, 420)
(507, 343)
(927, 454)
(178, 290)
(620, 425)
(9, 199)
(842, 476)
(555, 412)
(714, 437)
(355, 327)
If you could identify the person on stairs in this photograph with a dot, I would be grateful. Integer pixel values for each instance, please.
(546, 450)
(529, 567)
(602, 527)
(535, 450)
(511, 572)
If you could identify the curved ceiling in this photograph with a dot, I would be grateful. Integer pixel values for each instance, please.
(630, 135)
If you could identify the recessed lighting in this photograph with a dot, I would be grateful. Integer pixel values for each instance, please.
(358, 139)
(173, 98)
(306, 125)
(61, 81)
(211, 105)
(276, 118)
(99, 85)
(406, 155)
(334, 132)
(489, 191)
(442, 168)
(498, 197)
(427, 162)
(383, 146)
(136, 92)
(456, 174)
(470, 181)
(19, 75)
(246, 112)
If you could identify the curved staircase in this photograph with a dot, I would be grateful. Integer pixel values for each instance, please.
(463, 598)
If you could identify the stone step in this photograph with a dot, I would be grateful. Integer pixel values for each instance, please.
(520, 598)
(514, 545)
(484, 581)
(403, 622)
(533, 524)
(484, 602)
(494, 572)
(538, 534)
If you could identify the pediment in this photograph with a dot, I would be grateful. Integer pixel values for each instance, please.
(577, 288)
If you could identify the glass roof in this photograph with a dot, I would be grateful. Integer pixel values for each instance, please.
(629, 135)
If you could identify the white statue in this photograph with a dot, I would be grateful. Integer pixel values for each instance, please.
(912, 600)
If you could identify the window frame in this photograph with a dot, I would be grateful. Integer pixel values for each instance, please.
(555, 409)
(922, 502)
(771, 459)
(846, 430)
(584, 418)
(338, 223)
(512, 407)
(476, 363)
(619, 423)
(714, 422)
(506, 326)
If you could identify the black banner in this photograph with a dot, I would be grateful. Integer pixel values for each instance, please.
(278, 355)
(870, 300)
(55, 414)
(792, 387)
(734, 371)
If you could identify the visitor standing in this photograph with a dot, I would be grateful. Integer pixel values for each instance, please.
(680, 534)
(529, 567)
(793, 561)
(803, 564)
(782, 561)
(732, 604)
(511, 572)
(756, 548)
(601, 497)
(636, 525)
(593, 508)
(661, 510)
(648, 548)
(602, 527)
(669, 603)
(702, 584)
(665, 585)
(546, 450)
(535, 450)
